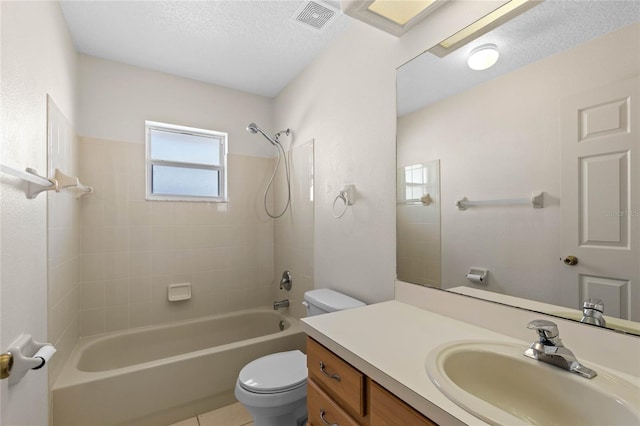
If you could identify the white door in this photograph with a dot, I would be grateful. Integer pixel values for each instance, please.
(601, 198)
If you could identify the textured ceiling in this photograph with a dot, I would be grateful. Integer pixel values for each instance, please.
(547, 29)
(253, 46)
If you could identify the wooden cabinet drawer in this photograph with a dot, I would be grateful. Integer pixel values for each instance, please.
(323, 410)
(388, 410)
(339, 379)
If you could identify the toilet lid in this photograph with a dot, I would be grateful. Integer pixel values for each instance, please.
(275, 373)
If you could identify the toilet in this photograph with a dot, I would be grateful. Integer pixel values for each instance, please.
(273, 388)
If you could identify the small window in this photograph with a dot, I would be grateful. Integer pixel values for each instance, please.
(185, 164)
(416, 179)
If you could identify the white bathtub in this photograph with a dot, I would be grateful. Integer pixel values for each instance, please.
(159, 375)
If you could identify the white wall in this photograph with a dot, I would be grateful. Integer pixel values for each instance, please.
(502, 140)
(37, 58)
(345, 101)
(115, 99)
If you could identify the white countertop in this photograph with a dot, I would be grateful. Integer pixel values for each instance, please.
(390, 341)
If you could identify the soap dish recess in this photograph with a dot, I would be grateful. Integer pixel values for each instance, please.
(177, 292)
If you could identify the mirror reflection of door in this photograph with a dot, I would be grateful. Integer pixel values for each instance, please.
(600, 198)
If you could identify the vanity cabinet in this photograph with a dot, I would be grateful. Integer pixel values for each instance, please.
(388, 410)
(339, 394)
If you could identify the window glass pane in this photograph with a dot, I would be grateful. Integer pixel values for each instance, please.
(185, 181)
(185, 148)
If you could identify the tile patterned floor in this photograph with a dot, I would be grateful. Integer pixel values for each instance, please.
(231, 415)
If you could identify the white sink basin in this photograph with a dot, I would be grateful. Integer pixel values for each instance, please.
(496, 383)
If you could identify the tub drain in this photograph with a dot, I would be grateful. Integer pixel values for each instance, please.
(281, 325)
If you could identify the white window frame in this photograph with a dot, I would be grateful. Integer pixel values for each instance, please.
(149, 163)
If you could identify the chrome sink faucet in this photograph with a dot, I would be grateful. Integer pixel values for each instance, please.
(549, 349)
(592, 311)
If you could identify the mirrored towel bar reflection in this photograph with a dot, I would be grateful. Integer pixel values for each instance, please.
(536, 201)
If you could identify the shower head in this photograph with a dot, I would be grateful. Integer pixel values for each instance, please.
(252, 128)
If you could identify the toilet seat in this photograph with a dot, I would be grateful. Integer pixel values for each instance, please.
(275, 373)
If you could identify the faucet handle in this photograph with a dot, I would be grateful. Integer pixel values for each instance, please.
(547, 330)
(594, 303)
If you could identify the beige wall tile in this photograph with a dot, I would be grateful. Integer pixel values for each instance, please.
(116, 265)
(132, 249)
(116, 318)
(139, 238)
(140, 289)
(137, 188)
(115, 238)
(140, 264)
(116, 292)
(182, 213)
(92, 240)
(161, 213)
(116, 213)
(161, 311)
(92, 295)
(92, 212)
(183, 237)
(115, 186)
(161, 238)
(139, 213)
(92, 322)
(140, 314)
(92, 267)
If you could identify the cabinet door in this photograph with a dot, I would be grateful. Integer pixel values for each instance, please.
(387, 410)
(325, 411)
(336, 377)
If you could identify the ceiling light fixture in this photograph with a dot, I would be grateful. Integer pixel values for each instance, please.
(483, 57)
(483, 25)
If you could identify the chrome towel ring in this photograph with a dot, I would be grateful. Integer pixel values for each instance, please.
(347, 195)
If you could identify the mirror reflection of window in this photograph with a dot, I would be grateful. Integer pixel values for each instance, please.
(416, 179)
(418, 183)
(418, 223)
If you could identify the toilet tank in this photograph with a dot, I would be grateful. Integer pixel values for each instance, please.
(324, 300)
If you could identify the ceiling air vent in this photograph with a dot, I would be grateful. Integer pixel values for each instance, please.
(314, 14)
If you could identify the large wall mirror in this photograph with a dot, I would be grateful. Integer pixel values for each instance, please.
(521, 183)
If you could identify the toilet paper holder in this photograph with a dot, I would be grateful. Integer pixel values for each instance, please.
(23, 355)
(478, 275)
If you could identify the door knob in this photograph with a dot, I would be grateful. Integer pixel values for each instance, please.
(6, 364)
(570, 260)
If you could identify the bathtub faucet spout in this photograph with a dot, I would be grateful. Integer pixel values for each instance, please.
(280, 304)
